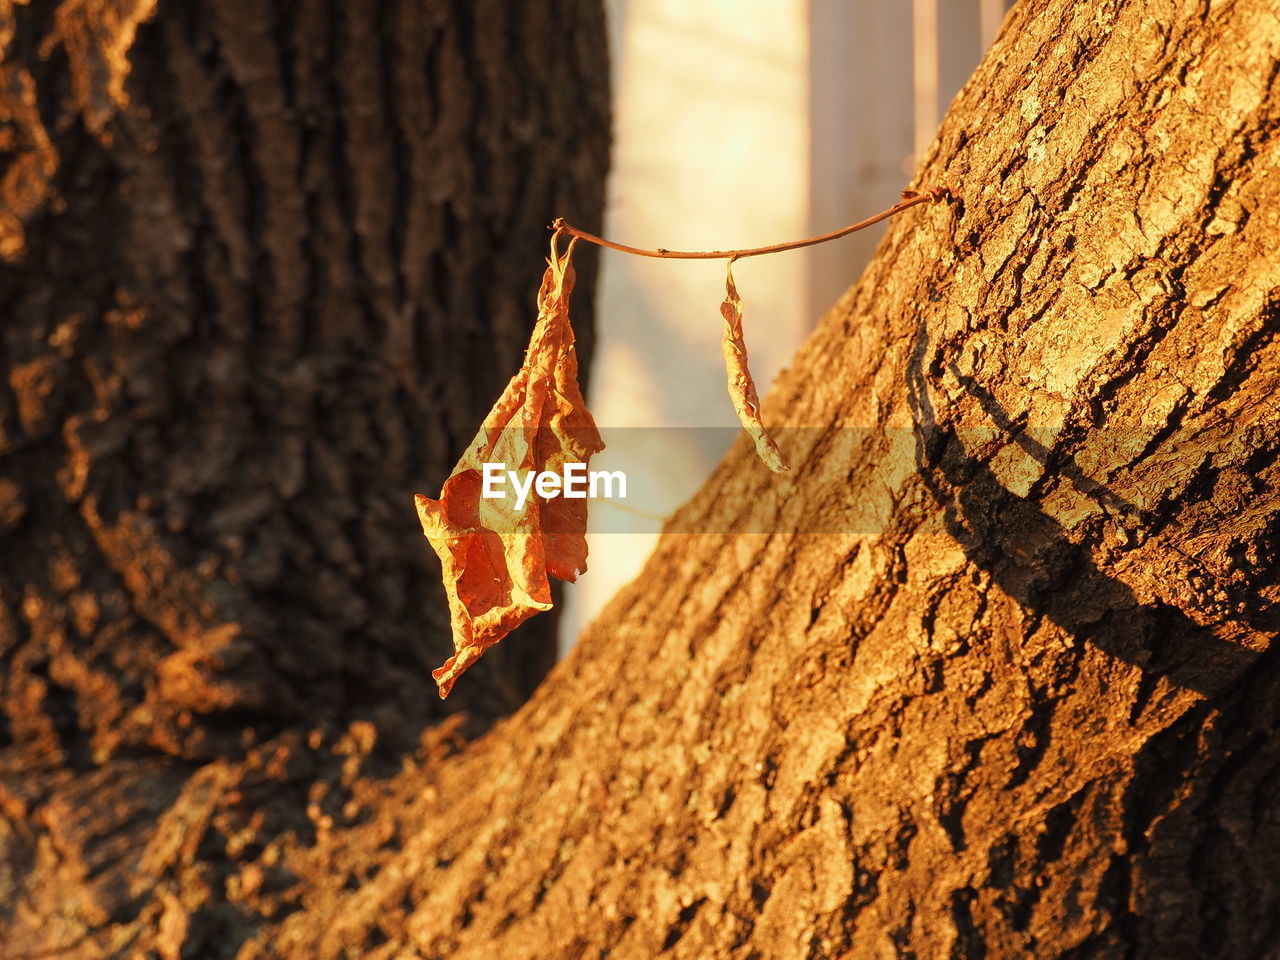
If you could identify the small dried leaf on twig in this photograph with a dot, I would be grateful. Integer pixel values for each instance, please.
(742, 389)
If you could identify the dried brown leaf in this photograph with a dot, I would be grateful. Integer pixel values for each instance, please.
(497, 559)
(742, 389)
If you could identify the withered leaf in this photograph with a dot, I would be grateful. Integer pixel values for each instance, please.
(742, 389)
(496, 559)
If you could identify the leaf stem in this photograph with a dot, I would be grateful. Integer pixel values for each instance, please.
(909, 199)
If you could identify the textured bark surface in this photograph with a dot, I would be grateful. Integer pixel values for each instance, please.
(1032, 711)
(263, 268)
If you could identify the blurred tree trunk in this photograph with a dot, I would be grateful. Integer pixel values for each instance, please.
(263, 268)
(1021, 699)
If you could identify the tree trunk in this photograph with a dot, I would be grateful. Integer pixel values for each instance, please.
(263, 268)
(1019, 700)
(1023, 700)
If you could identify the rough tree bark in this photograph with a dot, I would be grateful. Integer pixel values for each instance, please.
(263, 268)
(1029, 706)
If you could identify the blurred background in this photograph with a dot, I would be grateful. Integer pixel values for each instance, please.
(740, 123)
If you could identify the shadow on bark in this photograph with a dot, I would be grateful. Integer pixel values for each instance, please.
(1191, 873)
(1030, 555)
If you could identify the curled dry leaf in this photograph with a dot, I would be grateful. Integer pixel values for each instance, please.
(742, 389)
(496, 559)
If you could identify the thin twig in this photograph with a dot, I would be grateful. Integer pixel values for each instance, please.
(908, 200)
